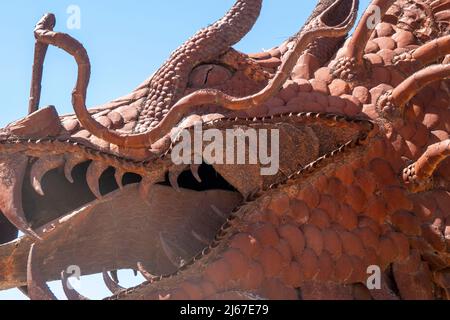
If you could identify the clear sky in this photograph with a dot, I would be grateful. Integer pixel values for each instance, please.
(126, 41)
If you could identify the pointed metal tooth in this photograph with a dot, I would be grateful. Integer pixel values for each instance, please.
(115, 275)
(147, 275)
(169, 251)
(71, 294)
(41, 167)
(194, 170)
(135, 272)
(173, 179)
(112, 285)
(12, 172)
(118, 175)
(144, 188)
(37, 288)
(71, 162)
(93, 175)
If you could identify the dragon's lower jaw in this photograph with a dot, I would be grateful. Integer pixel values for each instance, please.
(163, 231)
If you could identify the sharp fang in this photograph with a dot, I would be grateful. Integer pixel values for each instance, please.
(112, 285)
(70, 293)
(118, 175)
(173, 179)
(194, 170)
(147, 275)
(12, 172)
(37, 289)
(71, 162)
(41, 167)
(144, 188)
(115, 275)
(93, 174)
(169, 251)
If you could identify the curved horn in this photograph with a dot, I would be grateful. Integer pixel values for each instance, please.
(40, 50)
(416, 175)
(426, 54)
(432, 50)
(406, 90)
(319, 28)
(216, 97)
(229, 30)
(357, 43)
(73, 47)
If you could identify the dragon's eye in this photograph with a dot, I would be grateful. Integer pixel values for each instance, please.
(208, 76)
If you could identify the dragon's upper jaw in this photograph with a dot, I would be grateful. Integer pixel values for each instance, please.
(87, 205)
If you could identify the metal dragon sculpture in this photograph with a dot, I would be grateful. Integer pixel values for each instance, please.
(364, 177)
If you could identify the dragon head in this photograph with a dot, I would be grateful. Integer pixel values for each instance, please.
(282, 174)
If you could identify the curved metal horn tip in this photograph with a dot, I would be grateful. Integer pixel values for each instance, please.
(48, 21)
(242, 17)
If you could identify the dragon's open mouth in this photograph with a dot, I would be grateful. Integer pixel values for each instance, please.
(176, 220)
(56, 188)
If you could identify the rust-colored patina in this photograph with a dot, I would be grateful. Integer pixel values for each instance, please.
(364, 175)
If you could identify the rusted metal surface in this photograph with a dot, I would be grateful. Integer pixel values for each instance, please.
(364, 179)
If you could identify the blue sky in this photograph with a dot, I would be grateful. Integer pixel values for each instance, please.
(126, 41)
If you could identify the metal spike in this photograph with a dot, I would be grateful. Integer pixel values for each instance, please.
(112, 285)
(118, 175)
(70, 293)
(12, 172)
(41, 167)
(72, 162)
(36, 286)
(194, 170)
(115, 275)
(93, 175)
(173, 179)
(144, 188)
